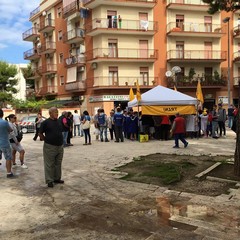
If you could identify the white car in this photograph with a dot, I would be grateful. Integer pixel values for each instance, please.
(27, 124)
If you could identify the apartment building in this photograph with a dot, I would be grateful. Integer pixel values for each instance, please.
(95, 50)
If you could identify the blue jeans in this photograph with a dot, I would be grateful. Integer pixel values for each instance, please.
(103, 130)
(76, 128)
(214, 128)
(179, 136)
(230, 121)
(65, 134)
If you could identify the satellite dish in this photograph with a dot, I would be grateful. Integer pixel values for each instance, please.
(168, 73)
(176, 69)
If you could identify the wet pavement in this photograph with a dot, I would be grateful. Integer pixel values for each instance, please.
(95, 204)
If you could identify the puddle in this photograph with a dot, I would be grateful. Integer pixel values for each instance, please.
(189, 216)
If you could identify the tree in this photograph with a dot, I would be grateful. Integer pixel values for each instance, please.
(7, 82)
(222, 5)
(229, 6)
(27, 74)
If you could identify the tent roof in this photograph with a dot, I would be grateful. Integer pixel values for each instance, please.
(163, 96)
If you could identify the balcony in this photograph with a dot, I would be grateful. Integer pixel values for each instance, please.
(34, 12)
(191, 5)
(236, 57)
(37, 72)
(77, 86)
(123, 82)
(76, 60)
(121, 55)
(47, 48)
(195, 30)
(49, 69)
(196, 56)
(48, 90)
(133, 27)
(206, 82)
(125, 3)
(70, 9)
(236, 32)
(31, 34)
(31, 54)
(47, 25)
(74, 36)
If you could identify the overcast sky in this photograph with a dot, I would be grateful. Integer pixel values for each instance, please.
(14, 20)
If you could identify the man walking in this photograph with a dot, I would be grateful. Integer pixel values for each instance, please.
(51, 133)
(179, 129)
(5, 147)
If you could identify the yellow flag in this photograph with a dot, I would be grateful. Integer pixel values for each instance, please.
(175, 88)
(199, 94)
(131, 95)
(138, 93)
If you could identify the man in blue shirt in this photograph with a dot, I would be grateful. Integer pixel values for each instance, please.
(118, 120)
(5, 147)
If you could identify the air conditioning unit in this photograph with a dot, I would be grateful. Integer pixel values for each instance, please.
(45, 35)
(39, 45)
(47, 55)
(73, 45)
(94, 65)
(81, 69)
(44, 13)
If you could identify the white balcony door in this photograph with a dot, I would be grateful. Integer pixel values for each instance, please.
(208, 23)
(207, 50)
(113, 76)
(113, 48)
(179, 49)
(143, 46)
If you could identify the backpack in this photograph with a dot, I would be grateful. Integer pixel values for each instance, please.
(102, 120)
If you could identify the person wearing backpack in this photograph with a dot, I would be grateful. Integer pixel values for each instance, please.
(102, 121)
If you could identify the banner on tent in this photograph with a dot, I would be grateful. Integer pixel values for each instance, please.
(168, 110)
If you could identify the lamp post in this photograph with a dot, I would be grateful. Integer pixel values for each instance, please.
(226, 20)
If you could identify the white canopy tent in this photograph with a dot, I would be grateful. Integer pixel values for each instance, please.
(164, 101)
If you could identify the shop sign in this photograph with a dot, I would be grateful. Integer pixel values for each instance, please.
(108, 98)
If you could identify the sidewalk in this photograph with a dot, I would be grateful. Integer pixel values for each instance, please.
(94, 204)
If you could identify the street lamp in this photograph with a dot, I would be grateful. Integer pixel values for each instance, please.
(226, 20)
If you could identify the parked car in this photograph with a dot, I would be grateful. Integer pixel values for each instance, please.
(27, 124)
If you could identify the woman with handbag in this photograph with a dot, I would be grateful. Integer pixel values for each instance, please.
(86, 127)
(15, 137)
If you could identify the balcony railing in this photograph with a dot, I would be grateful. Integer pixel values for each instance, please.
(188, 2)
(74, 35)
(127, 25)
(181, 27)
(35, 11)
(47, 25)
(76, 86)
(236, 31)
(49, 68)
(31, 54)
(236, 56)
(133, 3)
(123, 82)
(196, 55)
(48, 90)
(30, 34)
(48, 47)
(70, 9)
(75, 60)
(206, 81)
(37, 72)
(236, 81)
(121, 54)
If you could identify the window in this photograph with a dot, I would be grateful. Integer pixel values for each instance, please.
(208, 23)
(113, 48)
(61, 58)
(61, 80)
(59, 12)
(59, 35)
(144, 76)
(208, 73)
(113, 76)
(179, 49)
(80, 72)
(180, 21)
(112, 19)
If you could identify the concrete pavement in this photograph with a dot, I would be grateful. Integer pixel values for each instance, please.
(94, 204)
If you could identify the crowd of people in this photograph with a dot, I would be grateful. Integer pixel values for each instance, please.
(57, 132)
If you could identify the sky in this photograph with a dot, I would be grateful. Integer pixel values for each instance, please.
(14, 20)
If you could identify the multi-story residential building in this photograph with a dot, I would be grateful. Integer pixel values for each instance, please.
(97, 49)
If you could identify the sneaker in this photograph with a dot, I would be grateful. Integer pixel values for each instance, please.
(186, 144)
(24, 166)
(106, 140)
(101, 140)
(10, 175)
(175, 147)
(14, 165)
(59, 181)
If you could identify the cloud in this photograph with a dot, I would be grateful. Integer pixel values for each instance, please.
(15, 20)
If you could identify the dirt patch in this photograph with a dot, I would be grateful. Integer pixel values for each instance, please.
(150, 169)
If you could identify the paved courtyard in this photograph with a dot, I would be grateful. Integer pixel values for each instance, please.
(95, 204)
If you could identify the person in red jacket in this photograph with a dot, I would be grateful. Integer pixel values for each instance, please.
(178, 130)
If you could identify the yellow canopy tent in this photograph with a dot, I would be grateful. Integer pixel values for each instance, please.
(164, 101)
